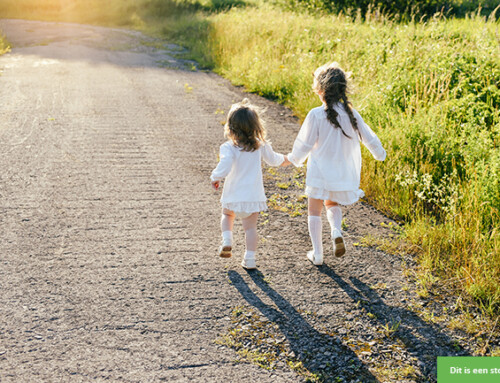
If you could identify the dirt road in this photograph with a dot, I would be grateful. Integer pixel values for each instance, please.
(109, 230)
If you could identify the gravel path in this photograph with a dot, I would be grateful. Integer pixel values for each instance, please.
(109, 230)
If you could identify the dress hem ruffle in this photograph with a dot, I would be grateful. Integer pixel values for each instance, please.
(245, 207)
(341, 197)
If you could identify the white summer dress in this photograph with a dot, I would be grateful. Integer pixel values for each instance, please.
(334, 164)
(243, 190)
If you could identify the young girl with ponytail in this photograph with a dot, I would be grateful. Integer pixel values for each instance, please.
(330, 136)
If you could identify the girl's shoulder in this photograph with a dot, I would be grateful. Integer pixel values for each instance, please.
(356, 114)
(264, 143)
(318, 111)
(228, 145)
(230, 148)
(315, 114)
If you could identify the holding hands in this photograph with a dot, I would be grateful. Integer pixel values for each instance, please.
(286, 162)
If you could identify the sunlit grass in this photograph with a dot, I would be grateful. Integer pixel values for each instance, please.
(4, 45)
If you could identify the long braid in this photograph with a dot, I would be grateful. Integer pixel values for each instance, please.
(348, 109)
(331, 113)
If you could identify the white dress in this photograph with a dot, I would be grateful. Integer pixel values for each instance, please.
(334, 164)
(243, 190)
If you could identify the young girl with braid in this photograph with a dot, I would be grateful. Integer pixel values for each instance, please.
(330, 137)
(240, 165)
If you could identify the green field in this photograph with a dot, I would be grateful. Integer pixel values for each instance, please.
(429, 87)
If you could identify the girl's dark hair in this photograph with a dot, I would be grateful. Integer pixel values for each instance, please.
(330, 82)
(244, 126)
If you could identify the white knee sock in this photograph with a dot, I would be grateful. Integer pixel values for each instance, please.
(227, 238)
(315, 231)
(251, 240)
(226, 223)
(334, 215)
(249, 254)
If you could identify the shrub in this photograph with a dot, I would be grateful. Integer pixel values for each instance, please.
(406, 9)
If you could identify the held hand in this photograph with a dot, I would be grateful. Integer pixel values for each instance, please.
(286, 162)
(215, 185)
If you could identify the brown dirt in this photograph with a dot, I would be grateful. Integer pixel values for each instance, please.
(110, 228)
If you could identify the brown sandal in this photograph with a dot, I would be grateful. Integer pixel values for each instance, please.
(339, 246)
(225, 251)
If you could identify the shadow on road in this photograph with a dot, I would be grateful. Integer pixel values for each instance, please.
(426, 346)
(320, 353)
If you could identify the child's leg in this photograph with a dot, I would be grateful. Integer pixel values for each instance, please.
(334, 215)
(227, 220)
(251, 238)
(226, 224)
(250, 227)
(315, 225)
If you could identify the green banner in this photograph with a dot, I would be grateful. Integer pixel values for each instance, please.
(467, 369)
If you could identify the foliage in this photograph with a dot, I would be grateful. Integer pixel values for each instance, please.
(405, 9)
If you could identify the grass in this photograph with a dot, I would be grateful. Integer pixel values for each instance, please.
(429, 89)
(4, 45)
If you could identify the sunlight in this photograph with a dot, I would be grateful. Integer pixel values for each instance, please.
(79, 11)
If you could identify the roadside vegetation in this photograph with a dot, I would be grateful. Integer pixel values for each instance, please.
(425, 80)
(4, 45)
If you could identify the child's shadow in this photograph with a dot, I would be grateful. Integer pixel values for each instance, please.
(422, 340)
(320, 353)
